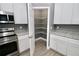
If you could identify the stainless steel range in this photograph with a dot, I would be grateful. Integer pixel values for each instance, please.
(8, 42)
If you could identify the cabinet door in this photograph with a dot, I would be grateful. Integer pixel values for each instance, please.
(67, 13)
(58, 13)
(75, 18)
(63, 13)
(73, 49)
(6, 7)
(52, 42)
(20, 13)
(61, 46)
(23, 43)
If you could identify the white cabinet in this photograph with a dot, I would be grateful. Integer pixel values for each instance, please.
(58, 13)
(52, 42)
(66, 17)
(61, 46)
(6, 7)
(63, 13)
(20, 13)
(23, 43)
(73, 48)
(75, 18)
(64, 45)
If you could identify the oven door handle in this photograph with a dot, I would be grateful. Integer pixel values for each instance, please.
(5, 42)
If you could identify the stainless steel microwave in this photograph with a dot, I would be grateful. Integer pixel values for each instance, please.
(3, 18)
(6, 17)
(11, 18)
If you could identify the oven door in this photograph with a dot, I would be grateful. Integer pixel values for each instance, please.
(6, 34)
(3, 18)
(9, 49)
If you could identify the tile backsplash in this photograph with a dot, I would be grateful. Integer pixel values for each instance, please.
(21, 29)
(70, 31)
(67, 27)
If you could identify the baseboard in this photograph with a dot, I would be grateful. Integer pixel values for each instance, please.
(37, 39)
(40, 38)
(24, 51)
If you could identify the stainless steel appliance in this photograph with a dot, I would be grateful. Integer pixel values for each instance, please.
(6, 31)
(6, 17)
(11, 18)
(8, 42)
(3, 18)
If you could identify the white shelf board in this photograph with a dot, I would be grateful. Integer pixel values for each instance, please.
(40, 32)
(41, 28)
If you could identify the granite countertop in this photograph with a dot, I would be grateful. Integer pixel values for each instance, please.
(21, 33)
(68, 34)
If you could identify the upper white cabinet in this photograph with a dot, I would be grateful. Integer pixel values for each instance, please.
(6, 7)
(20, 13)
(66, 13)
(58, 13)
(63, 13)
(61, 46)
(75, 16)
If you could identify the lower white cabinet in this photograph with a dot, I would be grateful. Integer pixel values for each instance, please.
(52, 42)
(73, 48)
(64, 45)
(61, 46)
(57, 43)
(23, 43)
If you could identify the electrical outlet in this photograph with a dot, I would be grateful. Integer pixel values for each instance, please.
(20, 27)
(57, 27)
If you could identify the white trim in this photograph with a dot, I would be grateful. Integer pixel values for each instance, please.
(43, 39)
(40, 7)
(48, 24)
(31, 29)
(37, 39)
(40, 38)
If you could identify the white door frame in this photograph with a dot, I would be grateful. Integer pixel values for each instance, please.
(48, 24)
(31, 29)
